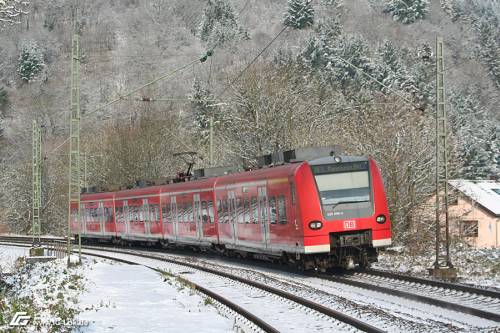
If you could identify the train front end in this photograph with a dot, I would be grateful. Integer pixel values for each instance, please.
(343, 210)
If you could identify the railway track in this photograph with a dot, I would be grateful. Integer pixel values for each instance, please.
(342, 321)
(461, 298)
(471, 301)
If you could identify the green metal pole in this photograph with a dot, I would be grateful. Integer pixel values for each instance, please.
(211, 148)
(74, 144)
(442, 241)
(36, 196)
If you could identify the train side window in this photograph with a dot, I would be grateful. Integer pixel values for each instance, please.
(200, 211)
(204, 212)
(239, 210)
(219, 209)
(191, 212)
(210, 211)
(222, 216)
(246, 209)
(180, 213)
(144, 213)
(108, 212)
(273, 216)
(255, 210)
(263, 209)
(165, 212)
(172, 215)
(282, 209)
(154, 213)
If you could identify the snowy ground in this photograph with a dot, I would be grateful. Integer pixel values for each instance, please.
(46, 293)
(480, 267)
(8, 256)
(132, 298)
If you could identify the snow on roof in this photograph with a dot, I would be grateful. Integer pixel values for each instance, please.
(485, 192)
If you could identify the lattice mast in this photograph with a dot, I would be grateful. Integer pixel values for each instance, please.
(74, 143)
(37, 183)
(443, 259)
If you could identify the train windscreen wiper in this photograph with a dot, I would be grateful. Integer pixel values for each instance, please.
(343, 202)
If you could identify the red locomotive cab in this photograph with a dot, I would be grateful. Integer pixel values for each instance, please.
(343, 211)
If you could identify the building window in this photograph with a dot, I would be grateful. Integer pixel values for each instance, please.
(469, 228)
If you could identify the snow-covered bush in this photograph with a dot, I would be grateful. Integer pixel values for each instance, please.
(407, 11)
(300, 14)
(31, 62)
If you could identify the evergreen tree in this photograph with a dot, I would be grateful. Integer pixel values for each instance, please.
(476, 137)
(201, 104)
(300, 14)
(219, 25)
(348, 60)
(407, 11)
(488, 28)
(4, 98)
(320, 44)
(388, 70)
(30, 62)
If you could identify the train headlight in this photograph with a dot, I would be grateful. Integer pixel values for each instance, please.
(337, 159)
(315, 225)
(380, 219)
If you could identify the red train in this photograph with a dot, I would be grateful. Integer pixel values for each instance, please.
(315, 214)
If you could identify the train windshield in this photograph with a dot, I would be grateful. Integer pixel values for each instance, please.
(344, 188)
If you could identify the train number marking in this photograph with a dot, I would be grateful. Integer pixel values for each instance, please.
(350, 224)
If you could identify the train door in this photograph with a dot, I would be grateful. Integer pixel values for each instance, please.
(233, 216)
(263, 214)
(136, 217)
(155, 226)
(249, 231)
(100, 216)
(209, 231)
(166, 217)
(120, 218)
(175, 219)
(109, 225)
(126, 217)
(145, 216)
(197, 216)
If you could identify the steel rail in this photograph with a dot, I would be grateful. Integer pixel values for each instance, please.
(435, 283)
(294, 298)
(236, 308)
(412, 296)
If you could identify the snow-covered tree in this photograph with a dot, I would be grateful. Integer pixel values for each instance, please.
(12, 10)
(202, 105)
(452, 8)
(389, 70)
(320, 44)
(424, 53)
(219, 25)
(407, 11)
(300, 14)
(476, 136)
(348, 60)
(4, 99)
(488, 28)
(31, 62)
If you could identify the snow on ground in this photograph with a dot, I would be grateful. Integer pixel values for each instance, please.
(132, 298)
(480, 267)
(8, 256)
(47, 292)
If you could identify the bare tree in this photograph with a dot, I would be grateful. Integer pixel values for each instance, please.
(12, 10)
